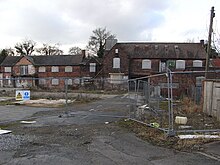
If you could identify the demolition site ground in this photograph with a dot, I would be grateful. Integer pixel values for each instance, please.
(94, 132)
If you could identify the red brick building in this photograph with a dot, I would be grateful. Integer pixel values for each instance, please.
(133, 60)
(47, 71)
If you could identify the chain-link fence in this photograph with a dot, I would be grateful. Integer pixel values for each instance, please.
(171, 101)
(59, 87)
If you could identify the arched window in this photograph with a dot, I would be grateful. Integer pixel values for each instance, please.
(197, 63)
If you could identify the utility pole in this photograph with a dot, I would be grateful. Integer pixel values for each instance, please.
(209, 43)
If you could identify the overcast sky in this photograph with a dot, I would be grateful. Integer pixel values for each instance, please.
(70, 22)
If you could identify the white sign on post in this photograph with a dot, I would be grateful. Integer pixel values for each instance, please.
(22, 95)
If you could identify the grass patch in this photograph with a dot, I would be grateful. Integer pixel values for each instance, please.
(9, 125)
(159, 138)
(164, 105)
(7, 103)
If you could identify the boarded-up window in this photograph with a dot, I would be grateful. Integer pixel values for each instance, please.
(116, 63)
(7, 69)
(68, 69)
(55, 81)
(42, 81)
(69, 82)
(197, 63)
(92, 67)
(146, 64)
(55, 69)
(116, 78)
(41, 69)
(180, 64)
(31, 69)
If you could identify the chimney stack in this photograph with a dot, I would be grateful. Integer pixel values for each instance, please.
(84, 53)
(202, 42)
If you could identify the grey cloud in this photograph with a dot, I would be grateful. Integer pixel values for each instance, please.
(127, 25)
(44, 20)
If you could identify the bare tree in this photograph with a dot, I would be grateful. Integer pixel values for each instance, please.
(25, 48)
(49, 50)
(9, 51)
(97, 41)
(75, 50)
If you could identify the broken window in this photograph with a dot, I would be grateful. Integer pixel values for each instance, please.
(162, 66)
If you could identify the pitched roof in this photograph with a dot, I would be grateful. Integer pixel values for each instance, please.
(10, 60)
(92, 58)
(61, 60)
(163, 50)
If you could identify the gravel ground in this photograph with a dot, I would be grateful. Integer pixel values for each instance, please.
(13, 142)
(82, 134)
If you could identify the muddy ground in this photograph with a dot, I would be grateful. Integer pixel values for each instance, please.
(90, 133)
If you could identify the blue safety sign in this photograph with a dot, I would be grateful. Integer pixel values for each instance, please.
(22, 95)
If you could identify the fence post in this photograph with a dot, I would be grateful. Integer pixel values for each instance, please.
(66, 88)
(170, 102)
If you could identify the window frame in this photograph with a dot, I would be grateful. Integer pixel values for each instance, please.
(23, 69)
(92, 67)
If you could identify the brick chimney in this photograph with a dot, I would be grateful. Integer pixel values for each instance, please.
(84, 53)
(202, 42)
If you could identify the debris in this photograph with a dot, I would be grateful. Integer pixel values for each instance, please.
(2, 131)
(145, 106)
(106, 122)
(27, 122)
(45, 102)
(199, 136)
(208, 125)
(185, 127)
(181, 120)
(155, 125)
